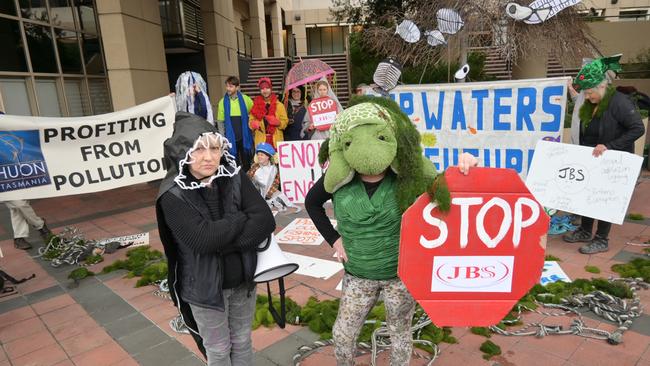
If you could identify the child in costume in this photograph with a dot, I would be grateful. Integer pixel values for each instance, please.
(265, 175)
(376, 171)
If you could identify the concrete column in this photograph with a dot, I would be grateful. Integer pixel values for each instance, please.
(136, 66)
(532, 66)
(276, 30)
(220, 46)
(258, 28)
(300, 32)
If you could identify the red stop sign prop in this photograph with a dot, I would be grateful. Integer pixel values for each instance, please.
(469, 267)
(322, 112)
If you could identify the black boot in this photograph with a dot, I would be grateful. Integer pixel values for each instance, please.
(45, 232)
(21, 243)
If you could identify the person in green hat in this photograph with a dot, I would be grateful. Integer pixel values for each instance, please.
(609, 120)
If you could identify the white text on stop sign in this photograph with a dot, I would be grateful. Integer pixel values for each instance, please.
(321, 105)
(511, 217)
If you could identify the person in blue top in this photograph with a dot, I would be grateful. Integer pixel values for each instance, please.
(233, 124)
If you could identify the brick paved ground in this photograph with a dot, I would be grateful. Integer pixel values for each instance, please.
(106, 321)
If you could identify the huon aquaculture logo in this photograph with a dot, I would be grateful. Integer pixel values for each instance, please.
(21, 161)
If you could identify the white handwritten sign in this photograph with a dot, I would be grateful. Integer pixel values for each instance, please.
(134, 240)
(301, 231)
(299, 167)
(552, 272)
(314, 267)
(568, 178)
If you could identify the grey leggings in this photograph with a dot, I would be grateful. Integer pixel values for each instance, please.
(227, 334)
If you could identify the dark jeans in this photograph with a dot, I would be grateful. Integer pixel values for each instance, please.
(602, 229)
(243, 157)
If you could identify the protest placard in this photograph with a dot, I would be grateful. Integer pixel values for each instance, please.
(46, 157)
(299, 167)
(322, 112)
(552, 272)
(314, 267)
(134, 240)
(569, 178)
(301, 231)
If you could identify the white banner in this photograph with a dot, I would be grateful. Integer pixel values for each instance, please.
(568, 178)
(299, 167)
(499, 122)
(47, 157)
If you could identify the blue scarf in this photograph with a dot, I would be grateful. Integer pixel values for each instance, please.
(230, 133)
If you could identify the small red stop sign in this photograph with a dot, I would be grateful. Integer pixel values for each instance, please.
(469, 267)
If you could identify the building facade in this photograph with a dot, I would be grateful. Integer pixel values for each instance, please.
(87, 57)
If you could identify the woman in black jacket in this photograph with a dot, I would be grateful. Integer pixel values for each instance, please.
(211, 221)
(609, 120)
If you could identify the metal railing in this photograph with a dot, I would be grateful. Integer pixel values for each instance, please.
(181, 20)
(244, 43)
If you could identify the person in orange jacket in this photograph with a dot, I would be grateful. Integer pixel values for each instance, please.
(268, 117)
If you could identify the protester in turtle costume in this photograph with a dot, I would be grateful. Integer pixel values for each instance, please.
(376, 171)
(609, 120)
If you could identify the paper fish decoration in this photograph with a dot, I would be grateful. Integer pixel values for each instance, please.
(462, 72)
(408, 31)
(435, 38)
(449, 21)
(387, 74)
(539, 10)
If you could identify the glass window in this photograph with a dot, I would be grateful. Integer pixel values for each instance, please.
(99, 96)
(8, 7)
(337, 40)
(86, 13)
(49, 103)
(11, 44)
(69, 54)
(41, 50)
(33, 9)
(77, 98)
(92, 54)
(61, 14)
(313, 38)
(14, 97)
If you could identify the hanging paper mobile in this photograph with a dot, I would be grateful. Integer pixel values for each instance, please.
(462, 72)
(449, 21)
(435, 38)
(539, 10)
(387, 75)
(408, 31)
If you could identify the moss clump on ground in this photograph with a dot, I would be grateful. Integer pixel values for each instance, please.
(490, 349)
(93, 259)
(592, 269)
(263, 314)
(142, 262)
(636, 216)
(552, 258)
(638, 267)
(482, 331)
(80, 273)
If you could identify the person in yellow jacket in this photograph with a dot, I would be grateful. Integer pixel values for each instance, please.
(268, 117)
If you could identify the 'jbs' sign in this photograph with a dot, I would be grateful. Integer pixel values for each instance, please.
(470, 266)
(322, 112)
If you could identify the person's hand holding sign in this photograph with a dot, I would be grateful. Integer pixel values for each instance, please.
(599, 150)
(466, 161)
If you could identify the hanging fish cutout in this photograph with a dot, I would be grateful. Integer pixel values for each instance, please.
(408, 31)
(538, 11)
(449, 21)
(435, 38)
(387, 75)
(462, 72)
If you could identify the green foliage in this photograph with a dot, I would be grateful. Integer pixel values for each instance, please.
(635, 216)
(52, 252)
(93, 259)
(552, 258)
(554, 292)
(80, 273)
(320, 316)
(144, 262)
(264, 317)
(152, 273)
(490, 349)
(482, 331)
(592, 269)
(638, 267)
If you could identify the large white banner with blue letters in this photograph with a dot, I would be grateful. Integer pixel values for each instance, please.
(499, 122)
(46, 157)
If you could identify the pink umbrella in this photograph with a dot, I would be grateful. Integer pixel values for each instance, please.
(306, 71)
